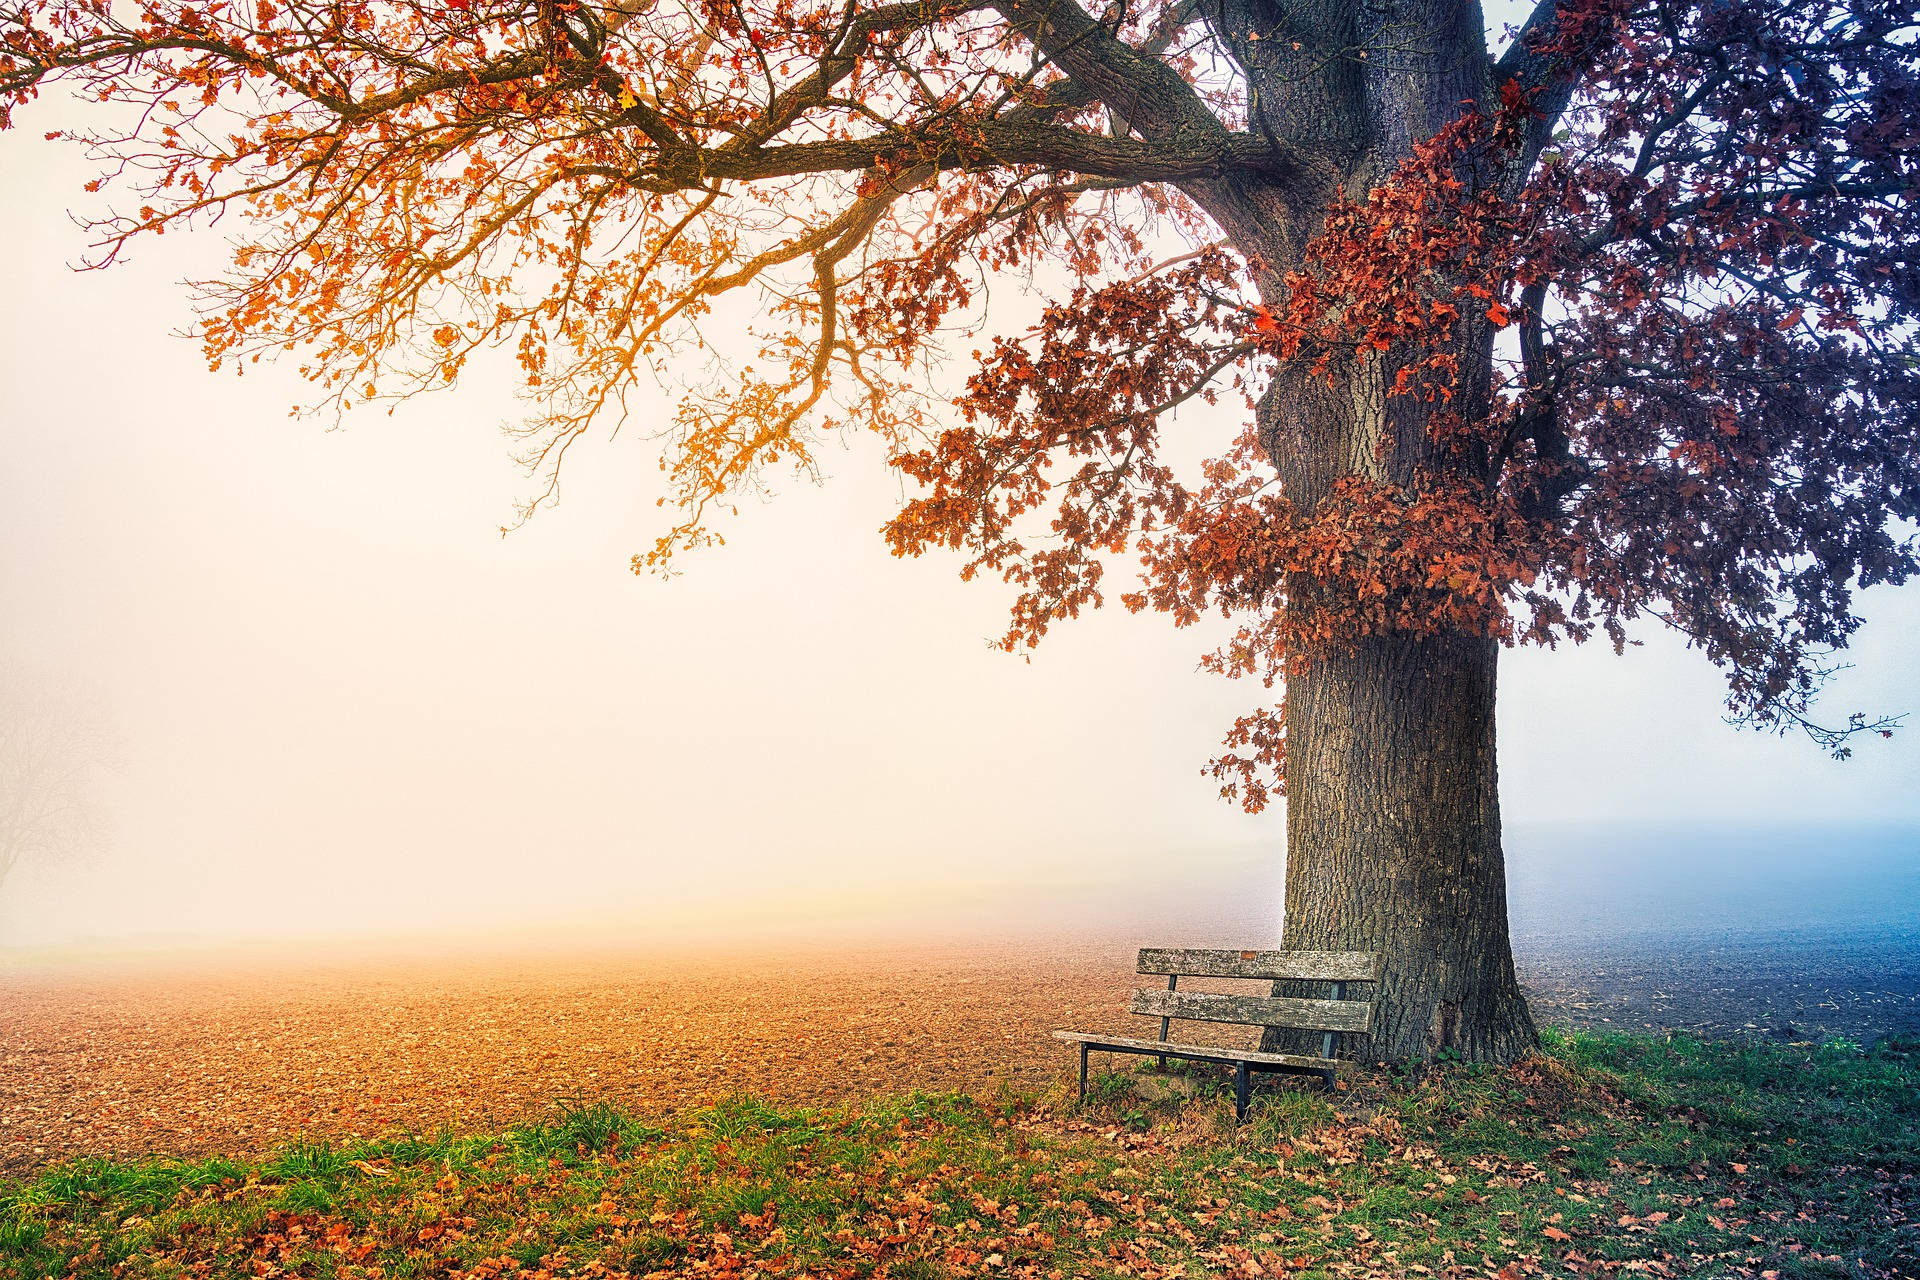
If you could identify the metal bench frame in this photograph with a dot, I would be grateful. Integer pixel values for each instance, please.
(1334, 1016)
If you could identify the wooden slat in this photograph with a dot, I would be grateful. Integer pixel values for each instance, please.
(1323, 966)
(1256, 1011)
(1303, 1061)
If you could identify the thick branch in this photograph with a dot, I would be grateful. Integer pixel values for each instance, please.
(1001, 144)
(1546, 60)
(1152, 97)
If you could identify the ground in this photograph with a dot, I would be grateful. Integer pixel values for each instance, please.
(1609, 1155)
(235, 1055)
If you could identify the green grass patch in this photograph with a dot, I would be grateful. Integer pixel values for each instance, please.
(1606, 1155)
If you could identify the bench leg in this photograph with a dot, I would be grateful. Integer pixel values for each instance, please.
(1326, 1041)
(1327, 1078)
(1241, 1082)
(1083, 1073)
(1173, 984)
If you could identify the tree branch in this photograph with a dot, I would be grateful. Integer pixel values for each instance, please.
(1151, 96)
(1547, 59)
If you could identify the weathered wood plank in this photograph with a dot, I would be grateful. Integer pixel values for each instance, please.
(1176, 1050)
(1325, 966)
(1257, 1011)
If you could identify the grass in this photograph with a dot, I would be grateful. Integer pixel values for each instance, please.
(1608, 1154)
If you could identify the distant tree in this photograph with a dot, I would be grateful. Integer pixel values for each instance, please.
(54, 748)
(1613, 322)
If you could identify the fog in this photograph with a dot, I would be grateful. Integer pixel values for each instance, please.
(348, 707)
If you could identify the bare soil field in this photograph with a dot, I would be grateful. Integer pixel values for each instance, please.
(185, 1060)
(234, 1055)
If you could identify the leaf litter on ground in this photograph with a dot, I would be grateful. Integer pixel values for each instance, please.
(1662, 1156)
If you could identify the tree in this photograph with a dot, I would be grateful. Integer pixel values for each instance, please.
(52, 749)
(1613, 324)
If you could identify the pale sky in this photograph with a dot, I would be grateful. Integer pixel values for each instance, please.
(349, 704)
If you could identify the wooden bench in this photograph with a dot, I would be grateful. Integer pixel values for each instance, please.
(1336, 1015)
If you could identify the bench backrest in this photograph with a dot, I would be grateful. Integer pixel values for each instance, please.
(1336, 1014)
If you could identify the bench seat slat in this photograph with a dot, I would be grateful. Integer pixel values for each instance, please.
(1257, 1011)
(1311, 966)
(1174, 1049)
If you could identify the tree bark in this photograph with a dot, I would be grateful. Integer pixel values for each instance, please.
(1393, 810)
(1393, 813)
(1393, 841)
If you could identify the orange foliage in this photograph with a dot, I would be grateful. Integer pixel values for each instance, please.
(1706, 413)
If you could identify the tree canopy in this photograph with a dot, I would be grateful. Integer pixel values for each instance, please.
(1685, 233)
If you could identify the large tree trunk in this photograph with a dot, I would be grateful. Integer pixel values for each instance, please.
(1393, 814)
(1393, 840)
(1393, 810)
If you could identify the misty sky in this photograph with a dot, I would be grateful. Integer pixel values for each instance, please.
(348, 703)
